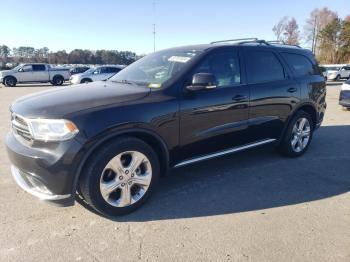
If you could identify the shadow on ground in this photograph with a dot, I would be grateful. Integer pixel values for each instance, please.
(253, 180)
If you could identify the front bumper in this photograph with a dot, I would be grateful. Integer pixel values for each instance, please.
(47, 170)
(344, 98)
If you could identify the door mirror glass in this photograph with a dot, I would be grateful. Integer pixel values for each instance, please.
(202, 81)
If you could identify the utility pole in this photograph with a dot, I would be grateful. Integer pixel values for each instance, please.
(314, 38)
(154, 25)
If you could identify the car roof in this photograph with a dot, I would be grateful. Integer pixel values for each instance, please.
(206, 47)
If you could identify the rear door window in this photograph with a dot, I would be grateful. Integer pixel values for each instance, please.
(39, 68)
(301, 65)
(263, 66)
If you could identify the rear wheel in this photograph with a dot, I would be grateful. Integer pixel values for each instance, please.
(57, 81)
(10, 81)
(120, 177)
(298, 135)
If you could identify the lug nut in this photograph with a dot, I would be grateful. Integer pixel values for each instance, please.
(130, 183)
(123, 184)
(120, 178)
(126, 171)
(132, 175)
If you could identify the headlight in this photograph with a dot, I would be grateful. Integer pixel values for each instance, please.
(52, 129)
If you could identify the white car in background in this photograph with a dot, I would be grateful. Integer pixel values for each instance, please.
(337, 72)
(99, 73)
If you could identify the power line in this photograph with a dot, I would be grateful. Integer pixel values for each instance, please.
(154, 3)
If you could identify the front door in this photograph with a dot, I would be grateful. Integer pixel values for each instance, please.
(215, 119)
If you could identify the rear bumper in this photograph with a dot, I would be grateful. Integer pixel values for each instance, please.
(344, 98)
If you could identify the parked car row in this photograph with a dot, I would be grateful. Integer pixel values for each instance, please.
(45, 73)
(336, 72)
(99, 73)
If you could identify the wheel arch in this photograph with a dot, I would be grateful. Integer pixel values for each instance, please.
(85, 78)
(10, 76)
(308, 108)
(57, 75)
(148, 136)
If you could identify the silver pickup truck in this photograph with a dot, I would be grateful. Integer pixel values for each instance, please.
(34, 73)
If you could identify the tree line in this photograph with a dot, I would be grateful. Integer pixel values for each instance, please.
(324, 32)
(25, 54)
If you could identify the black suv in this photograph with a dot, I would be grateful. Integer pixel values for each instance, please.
(111, 141)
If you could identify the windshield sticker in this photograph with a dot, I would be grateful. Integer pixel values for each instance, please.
(154, 85)
(179, 59)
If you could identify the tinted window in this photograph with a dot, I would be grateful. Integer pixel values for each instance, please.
(301, 65)
(224, 66)
(347, 68)
(39, 68)
(263, 66)
(113, 70)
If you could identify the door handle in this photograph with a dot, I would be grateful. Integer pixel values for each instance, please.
(292, 90)
(238, 98)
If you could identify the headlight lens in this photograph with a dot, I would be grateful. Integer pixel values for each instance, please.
(52, 129)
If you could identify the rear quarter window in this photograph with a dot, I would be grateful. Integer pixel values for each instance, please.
(301, 65)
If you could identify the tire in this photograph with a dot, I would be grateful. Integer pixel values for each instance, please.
(295, 142)
(337, 78)
(110, 188)
(85, 81)
(57, 81)
(10, 81)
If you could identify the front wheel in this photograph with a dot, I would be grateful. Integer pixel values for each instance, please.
(337, 78)
(10, 81)
(298, 135)
(120, 177)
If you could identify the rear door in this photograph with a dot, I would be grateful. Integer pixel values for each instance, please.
(345, 72)
(273, 92)
(40, 74)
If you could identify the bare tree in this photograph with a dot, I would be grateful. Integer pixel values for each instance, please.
(318, 20)
(291, 32)
(279, 28)
(287, 30)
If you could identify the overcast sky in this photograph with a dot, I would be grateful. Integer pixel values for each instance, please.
(127, 24)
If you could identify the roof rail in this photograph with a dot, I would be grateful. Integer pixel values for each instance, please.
(235, 40)
(281, 42)
(254, 40)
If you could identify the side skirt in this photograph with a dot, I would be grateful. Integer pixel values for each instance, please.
(224, 152)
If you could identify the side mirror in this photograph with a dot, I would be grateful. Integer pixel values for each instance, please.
(202, 81)
(20, 70)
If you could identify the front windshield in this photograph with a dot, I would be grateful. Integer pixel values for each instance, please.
(90, 71)
(155, 69)
(17, 67)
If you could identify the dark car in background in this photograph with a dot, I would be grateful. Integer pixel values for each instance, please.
(78, 70)
(112, 140)
(344, 97)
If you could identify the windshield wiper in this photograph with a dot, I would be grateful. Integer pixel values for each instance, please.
(122, 82)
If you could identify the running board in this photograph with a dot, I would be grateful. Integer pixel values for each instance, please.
(222, 153)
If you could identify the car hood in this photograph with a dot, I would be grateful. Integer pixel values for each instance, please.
(6, 72)
(61, 102)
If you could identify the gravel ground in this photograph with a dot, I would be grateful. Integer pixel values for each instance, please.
(252, 206)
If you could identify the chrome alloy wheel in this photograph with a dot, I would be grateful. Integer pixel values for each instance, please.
(300, 135)
(126, 179)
